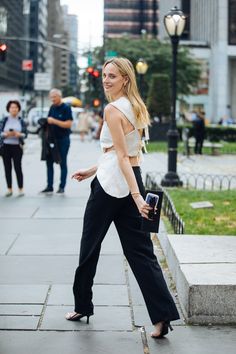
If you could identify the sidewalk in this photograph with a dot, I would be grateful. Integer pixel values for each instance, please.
(39, 246)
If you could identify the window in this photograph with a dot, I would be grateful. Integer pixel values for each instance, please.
(3, 20)
(232, 22)
(186, 10)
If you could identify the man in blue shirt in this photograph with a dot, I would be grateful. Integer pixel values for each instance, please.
(59, 122)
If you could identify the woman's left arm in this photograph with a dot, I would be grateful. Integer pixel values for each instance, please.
(114, 121)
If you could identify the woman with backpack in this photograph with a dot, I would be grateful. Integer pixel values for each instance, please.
(13, 132)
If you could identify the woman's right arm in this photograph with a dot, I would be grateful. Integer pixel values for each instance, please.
(84, 174)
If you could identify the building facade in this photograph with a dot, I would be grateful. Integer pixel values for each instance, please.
(57, 35)
(38, 29)
(212, 39)
(71, 27)
(12, 25)
(131, 17)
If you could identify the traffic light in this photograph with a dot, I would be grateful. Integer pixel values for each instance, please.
(96, 102)
(90, 70)
(93, 75)
(3, 52)
(96, 73)
(93, 72)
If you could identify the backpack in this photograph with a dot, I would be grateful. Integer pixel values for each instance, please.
(2, 126)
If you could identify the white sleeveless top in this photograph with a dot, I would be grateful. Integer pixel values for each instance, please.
(109, 173)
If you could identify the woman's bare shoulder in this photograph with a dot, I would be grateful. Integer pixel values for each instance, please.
(112, 111)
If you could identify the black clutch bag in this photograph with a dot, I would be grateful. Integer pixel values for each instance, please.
(153, 224)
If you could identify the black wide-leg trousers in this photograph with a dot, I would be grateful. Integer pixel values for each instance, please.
(101, 211)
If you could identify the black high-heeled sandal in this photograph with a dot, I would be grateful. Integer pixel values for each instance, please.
(164, 330)
(78, 316)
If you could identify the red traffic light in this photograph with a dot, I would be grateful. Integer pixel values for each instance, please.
(3, 47)
(96, 73)
(90, 70)
(3, 52)
(96, 102)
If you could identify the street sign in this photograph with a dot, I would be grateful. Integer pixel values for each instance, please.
(110, 54)
(27, 65)
(42, 81)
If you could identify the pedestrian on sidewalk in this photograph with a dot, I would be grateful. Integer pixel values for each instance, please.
(199, 131)
(117, 195)
(13, 132)
(60, 122)
(84, 123)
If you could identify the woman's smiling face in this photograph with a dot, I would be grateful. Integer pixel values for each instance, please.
(113, 81)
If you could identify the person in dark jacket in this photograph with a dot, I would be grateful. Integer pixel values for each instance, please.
(59, 121)
(199, 131)
(13, 132)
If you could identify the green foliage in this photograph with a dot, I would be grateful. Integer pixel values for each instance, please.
(213, 133)
(219, 220)
(158, 55)
(161, 146)
(159, 96)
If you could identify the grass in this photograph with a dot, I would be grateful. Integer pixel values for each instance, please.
(161, 146)
(219, 220)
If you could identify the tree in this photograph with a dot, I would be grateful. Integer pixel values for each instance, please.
(159, 96)
(159, 58)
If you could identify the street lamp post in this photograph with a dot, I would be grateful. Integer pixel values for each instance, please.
(174, 22)
(141, 68)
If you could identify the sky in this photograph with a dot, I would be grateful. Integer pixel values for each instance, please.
(90, 21)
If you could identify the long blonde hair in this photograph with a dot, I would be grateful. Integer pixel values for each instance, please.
(126, 69)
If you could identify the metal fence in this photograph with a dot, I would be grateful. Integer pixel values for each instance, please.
(195, 181)
(168, 206)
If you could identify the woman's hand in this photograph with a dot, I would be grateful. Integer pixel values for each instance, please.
(17, 134)
(142, 206)
(84, 174)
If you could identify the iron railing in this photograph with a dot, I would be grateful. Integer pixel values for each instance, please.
(199, 181)
(168, 207)
(196, 181)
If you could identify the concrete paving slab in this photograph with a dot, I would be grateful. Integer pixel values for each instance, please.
(21, 310)
(70, 343)
(212, 292)
(141, 317)
(103, 295)
(59, 244)
(204, 249)
(106, 318)
(194, 340)
(14, 212)
(6, 240)
(19, 322)
(23, 294)
(40, 226)
(110, 270)
(46, 244)
(48, 269)
(210, 274)
(56, 212)
(111, 244)
(37, 269)
(135, 292)
(207, 287)
(136, 295)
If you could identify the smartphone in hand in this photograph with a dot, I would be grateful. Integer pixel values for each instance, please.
(152, 200)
